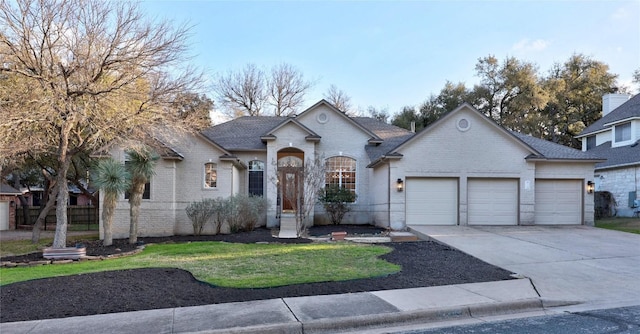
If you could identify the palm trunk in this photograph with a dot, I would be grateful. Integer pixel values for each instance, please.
(108, 207)
(134, 209)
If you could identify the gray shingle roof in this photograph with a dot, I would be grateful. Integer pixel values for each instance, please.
(618, 156)
(242, 134)
(550, 150)
(6, 189)
(627, 110)
(391, 134)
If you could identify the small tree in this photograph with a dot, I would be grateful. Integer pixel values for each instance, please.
(335, 200)
(112, 178)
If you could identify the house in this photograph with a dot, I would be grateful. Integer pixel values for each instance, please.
(8, 200)
(615, 137)
(464, 169)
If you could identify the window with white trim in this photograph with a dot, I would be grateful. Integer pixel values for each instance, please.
(623, 132)
(210, 175)
(341, 171)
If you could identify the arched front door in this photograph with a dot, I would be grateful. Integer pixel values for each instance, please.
(290, 167)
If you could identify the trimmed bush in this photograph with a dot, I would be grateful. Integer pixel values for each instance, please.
(335, 200)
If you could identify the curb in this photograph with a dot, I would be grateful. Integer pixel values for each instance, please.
(363, 322)
(420, 316)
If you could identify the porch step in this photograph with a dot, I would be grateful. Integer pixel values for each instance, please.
(288, 227)
(402, 236)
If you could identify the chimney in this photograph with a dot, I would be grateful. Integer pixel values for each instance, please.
(613, 101)
(413, 126)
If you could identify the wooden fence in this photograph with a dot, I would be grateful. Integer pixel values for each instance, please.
(77, 216)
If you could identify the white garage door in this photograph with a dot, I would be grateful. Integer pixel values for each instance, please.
(431, 201)
(4, 216)
(492, 201)
(558, 202)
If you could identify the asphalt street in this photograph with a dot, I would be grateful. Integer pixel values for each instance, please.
(624, 320)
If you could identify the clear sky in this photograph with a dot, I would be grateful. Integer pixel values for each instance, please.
(389, 54)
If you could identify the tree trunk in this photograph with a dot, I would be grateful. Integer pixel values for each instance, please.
(25, 210)
(60, 238)
(64, 161)
(51, 201)
(108, 207)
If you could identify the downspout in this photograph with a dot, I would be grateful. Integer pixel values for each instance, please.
(389, 194)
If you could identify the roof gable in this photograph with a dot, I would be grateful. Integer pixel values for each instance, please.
(484, 119)
(374, 139)
(310, 135)
(626, 111)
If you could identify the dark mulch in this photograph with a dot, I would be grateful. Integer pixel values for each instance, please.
(424, 263)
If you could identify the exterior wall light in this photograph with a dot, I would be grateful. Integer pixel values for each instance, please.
(400, 185)
(590, 187)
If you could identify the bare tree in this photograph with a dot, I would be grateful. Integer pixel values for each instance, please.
(338, 98)
(243, 92)
(84, 74)
(286, 89)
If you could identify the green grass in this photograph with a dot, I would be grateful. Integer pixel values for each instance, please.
(236, 265)
(20, 247)
(631, 225)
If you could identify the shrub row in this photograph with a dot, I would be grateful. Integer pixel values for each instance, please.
(240, 212)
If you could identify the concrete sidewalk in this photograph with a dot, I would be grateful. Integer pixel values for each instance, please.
(314, 314)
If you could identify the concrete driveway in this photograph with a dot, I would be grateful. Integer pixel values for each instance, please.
(587, 265)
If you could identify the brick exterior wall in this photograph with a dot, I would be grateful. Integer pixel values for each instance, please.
(482, 151)
(12, 209)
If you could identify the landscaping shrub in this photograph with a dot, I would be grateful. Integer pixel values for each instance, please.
(243, 212)
(335, 200)
(200, 213)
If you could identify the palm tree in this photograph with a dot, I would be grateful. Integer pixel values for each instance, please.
(112, 178)
(140, 165)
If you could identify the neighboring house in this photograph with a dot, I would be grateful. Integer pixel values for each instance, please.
(464, 169)
(8, 200)
(615, 137)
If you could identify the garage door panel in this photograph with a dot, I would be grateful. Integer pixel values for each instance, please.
(492, 201)
(558, 202)
(4, 216)
(431, 201)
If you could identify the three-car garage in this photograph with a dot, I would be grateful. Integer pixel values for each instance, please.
(490, 201)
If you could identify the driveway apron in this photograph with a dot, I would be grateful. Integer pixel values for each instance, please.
(565, 263)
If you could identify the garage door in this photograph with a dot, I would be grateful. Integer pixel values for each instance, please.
(431, 201)
(492, 201)
(558, 202)
(4, 216)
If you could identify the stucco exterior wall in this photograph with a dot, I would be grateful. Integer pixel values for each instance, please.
(620, 182)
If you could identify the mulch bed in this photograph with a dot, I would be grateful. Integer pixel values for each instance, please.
(424, 263)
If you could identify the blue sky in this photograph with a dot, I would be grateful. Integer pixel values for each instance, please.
(389, 54)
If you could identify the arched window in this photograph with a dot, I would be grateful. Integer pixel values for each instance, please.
(341, 171)
(256, 178)
(210, 175)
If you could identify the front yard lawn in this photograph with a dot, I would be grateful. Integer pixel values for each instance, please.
(631, 225)
(236, 265)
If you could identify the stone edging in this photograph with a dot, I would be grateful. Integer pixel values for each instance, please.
(9, 264)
